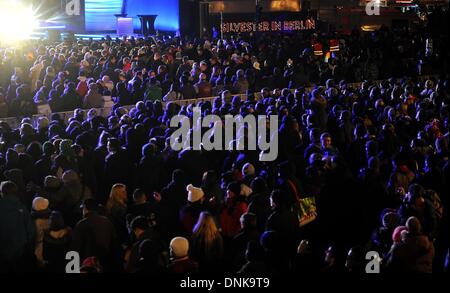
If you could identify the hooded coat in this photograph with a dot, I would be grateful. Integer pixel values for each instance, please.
(414, 255)
(93, 98)
(17, 232)
(55, 246)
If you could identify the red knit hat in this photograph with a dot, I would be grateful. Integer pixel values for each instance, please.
(397, 234)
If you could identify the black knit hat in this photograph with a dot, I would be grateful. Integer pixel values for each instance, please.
(234, 187)
(90, 204)
(139, 222)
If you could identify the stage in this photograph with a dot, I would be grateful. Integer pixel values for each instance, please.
(95, 17)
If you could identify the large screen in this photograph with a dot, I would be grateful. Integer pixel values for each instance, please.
(100, 13)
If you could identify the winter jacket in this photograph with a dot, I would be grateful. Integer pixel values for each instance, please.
(82, 88)
(189, 215)
(153, 93)
(183, 266)
(284, 222)
(240, 86)
(41, 223)
(69, 101)
(208, 257)
(230, 217)
(118, 169)
(414, 255)
(95, 236)
(93, 99)
(402, 177)
(17, 232)
(55, 245)
(239, 246)
(204, 89)
(133, 259)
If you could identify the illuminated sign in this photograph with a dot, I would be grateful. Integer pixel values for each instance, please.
(381, 3)
(268, 26)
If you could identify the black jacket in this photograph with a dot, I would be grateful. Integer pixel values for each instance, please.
(43, 168)
(55, 246)
(150, 233)
(118, 169)
(284, 222)
(95, 236)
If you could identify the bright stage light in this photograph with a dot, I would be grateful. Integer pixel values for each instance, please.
(17, 21)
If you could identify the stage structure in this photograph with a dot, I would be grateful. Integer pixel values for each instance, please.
(101, 16)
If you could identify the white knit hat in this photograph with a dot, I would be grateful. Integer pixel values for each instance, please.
(179, 247)
(194, 193)
(40, 204)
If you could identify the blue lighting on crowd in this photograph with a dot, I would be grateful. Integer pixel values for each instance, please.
(99, 14)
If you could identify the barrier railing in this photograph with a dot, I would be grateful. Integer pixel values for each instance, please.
(14, 122)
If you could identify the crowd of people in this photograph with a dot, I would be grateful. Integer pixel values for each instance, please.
(358, 170)
(43, 77)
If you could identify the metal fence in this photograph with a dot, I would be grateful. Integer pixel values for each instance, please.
(14, 122)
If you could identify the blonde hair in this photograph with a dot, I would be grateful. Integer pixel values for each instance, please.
(116, 197)
(205, 230)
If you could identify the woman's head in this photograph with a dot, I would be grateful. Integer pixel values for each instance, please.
(210, 177)
(205, 226)
(118, 195)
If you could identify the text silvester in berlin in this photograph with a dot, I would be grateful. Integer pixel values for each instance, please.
(267, 26)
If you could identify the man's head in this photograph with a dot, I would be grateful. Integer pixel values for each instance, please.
(113, 145)
(89, 205)
(325, 140)
(415, 195)
(139, 196)
(233, 190)
(139, 225)
(276, 199)
(8, 188)
(413, 225)
(314, 135)
(248, 221)
(179, 247)
(371, 148)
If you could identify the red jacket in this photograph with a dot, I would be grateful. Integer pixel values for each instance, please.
(82, 88)
(334, 45)
(230, 218)
(318, 49)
